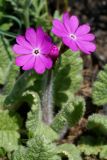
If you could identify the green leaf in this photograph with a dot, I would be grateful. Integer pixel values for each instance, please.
(103, 153)
(60, 120)
(57, 15)
(39, 7)
(5, 62)
(11, 78)
(8, 131)
(34, 116)
(91, 146)
(2, 98)
(20, 86)
(20, 154)
(5, 26)
(47, 131)
(78, 112)
(69, 151)
(99, 93)
(69, 114)
(2, 152)
(98, 123)
(39, 148)
(68, 77)
(8, 70)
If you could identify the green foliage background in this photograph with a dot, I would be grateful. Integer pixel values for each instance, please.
(23, 133)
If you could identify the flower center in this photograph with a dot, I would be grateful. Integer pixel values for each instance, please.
(36, 51)
(72, 36)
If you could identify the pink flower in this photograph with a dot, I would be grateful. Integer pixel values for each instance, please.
(74, 36)
(33, 50)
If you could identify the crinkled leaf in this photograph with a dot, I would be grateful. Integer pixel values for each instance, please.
(11, 78)
(98, 123)
(99, 93)
(68, 77)
(91, 146)
(69, 151)
(39, 148)
(9, 135)
(69, 114)
(103, 153)
(5, 62)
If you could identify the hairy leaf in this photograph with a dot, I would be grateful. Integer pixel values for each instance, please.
(11, 78)
(39, 148)
(103, 153)
(99, 93)
(69, 151)
(8, 131)
(69, 114)
(68, 77)
(5, 61)
(98, 123)
(92, 146)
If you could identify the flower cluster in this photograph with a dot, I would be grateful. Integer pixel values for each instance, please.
(36, 50)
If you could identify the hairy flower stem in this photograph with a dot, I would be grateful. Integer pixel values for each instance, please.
(47, 97)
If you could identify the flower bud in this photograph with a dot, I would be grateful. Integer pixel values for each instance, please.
(54, 53)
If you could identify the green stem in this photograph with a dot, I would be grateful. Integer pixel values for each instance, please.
(46, 6)
(8, 34)
(26, 13)
(66, 4)
(47, 97)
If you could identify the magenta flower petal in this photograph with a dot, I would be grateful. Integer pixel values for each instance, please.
(90, 46)
(40, 35)
(83, 29)
(57, 32)
(86, 47)
(70, 43)
(31, 36)
(47, 61)
(21, 50)
(45, 49)
(66, 21)
(83, 48)
(29, 64)
(74, 23)
(87, 37)
(21, 41)
(48, 38)
(59, 26)
(39, 65)
(21, 60)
